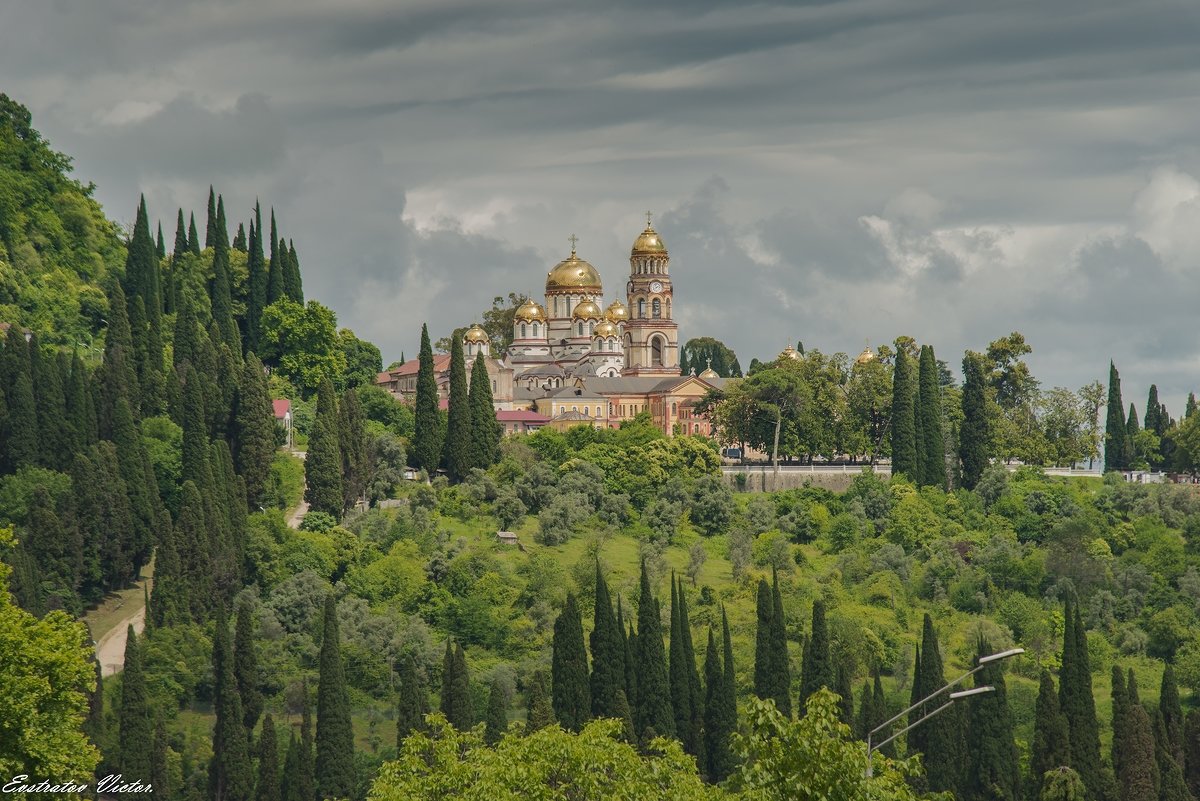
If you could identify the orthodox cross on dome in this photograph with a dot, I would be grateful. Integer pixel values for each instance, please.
(572, 239)
(648, 216)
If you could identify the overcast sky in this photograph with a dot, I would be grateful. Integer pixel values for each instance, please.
(833, 172)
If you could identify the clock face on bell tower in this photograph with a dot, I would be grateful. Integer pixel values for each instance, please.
(651, 334)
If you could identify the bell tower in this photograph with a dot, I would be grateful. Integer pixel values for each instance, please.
(651, 333)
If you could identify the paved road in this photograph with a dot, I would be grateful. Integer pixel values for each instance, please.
(110, 650)
(882, 469)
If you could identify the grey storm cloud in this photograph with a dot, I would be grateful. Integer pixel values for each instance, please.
(840, 171)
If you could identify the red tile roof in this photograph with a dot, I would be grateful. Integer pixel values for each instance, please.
(281, 406)
(441, 361)
(520, 416)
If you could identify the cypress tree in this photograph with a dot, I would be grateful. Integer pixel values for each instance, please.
(1078, 705)
(677, 673)
(1131, 429)
(54, 547)
(461, 713)
(187, 333)
(181, 238)
(80, 409)
(456, 453)
(497, 714)
(569, 676)
(289, 789)
(695, 735)
(932, 447)
(1191, 752)
(628, 643)
(256, 280)
(780, 663)
(818, 670)
(245, 667)
(1172, 713)
(323, 464)
(608, 653)
(254, 431)
(1131, 688)
(723, 762)
(159, 777)
(194, 465)
(1120, 717)
(763, 680)
(427, 430)
(881, 714)
(624, 714)
(335, 737)
(414, 699)
(210, 233)
(994, 767)
(1172, 785)
(1116, 455)
(142, 494)
(863, 723)
(221, 291)
(293, 286)
(19, 439)
(352, 440)
(141, 266)
(54, 430)
(939, 744)
(904, 425)
(539, 711)
(653, 714)
(973, 436)
(268, 763)
(306, 781)
(845, 695)
(1154, 411)
(1137, 781)
(161, 246)
(485, 431)
(1050, 748)
(275, 287)
(135, 725)
(170, 603)
(718, 724)
(239, 239)
(229, 774)
(193, 238)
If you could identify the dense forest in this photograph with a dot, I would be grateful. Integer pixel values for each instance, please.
(657, 632)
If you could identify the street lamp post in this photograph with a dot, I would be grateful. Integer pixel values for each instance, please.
(872, 746)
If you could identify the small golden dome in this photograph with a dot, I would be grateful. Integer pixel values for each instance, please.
(529, 311)
(573, 273)
(709, 372)
(866, 356)
(475, 334)
(649, 241)
(587, 310)
(789, 353)
(616, 312)
(605, 329)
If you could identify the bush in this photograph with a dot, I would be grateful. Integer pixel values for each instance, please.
(285, 486)
(713, 507)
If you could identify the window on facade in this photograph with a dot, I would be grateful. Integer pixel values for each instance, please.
(591, 328)
(535, 329)
(556, 307)
(656, 352)
(657, 308)
(642, 308)
(674, 408)
(522, 330)
(493, 386)
(581, 329)
(610, 408)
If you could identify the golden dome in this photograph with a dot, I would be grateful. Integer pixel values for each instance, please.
(587, 310)
(573, 273)
(649, 241)
(790, 353)
(605, 329)
(866, 356)
(616, 313)
(529, 311)
(709, 372)
(475, 334)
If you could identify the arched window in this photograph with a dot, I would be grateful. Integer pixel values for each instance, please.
(535, 330)
(657, 308)
(522, 330)
(581, 329)
(591, 328)
(656, 352)
(674, 408)
(610, 407)
(642, 308)
(597, 411)
(556, 307)
(493, 386)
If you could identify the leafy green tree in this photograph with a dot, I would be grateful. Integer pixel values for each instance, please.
(1062, 784)
(245, 667)
(1116, 444)
(363, 360)
(569, 677)
(994, 769)
(136, 725)
(427, 429)
(653, 714)
(301, 342)
(456, 453)
(1050, 748)
(539, 711)
(705, 352)
(335, 774)
(1078, 705)
(608, 653)
(904, 418)
(974, 436)
(323, 463)
(497, 713)
(817, 670)
(931, 449)
(230, 775)
(414, 699)
(485, 430)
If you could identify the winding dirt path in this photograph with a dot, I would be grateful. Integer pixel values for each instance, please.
(110, 650)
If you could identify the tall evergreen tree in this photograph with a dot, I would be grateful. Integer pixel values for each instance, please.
(293, 286)
(456, 453)
(569, 677)
(1190, 407)
(781, 668)
(653, 715)
(221, 287)
(230, 776)
(1172, 713)
(414, 699)
(539, 711)
(1050, 748)
(1153, 410)
(993, 770)
(818, 669)
(254, 431)
(275, 285)
(845, 694)
(245, 667)
(628, 643)
(427, 427)
(1191, 752)
(695, 736)
(268, 788)
(881, 714)
(904, 420)
(764, 682)
(323, 463)
(1171, 786)
(54, 434)
(973, 436)
(352, 440)
(1131, 429)
(1137, 782)
(497, 713)
(134, 721)
(256, 280)
(1116, 456)
(608, 653)
(677, 675)
(939, 744)
(289, 782)
(193, 237)
(141, 266)
(170, 605)
(19, 438)
(1078, 705)
(210, 233)
(1120, 718)
(181, 238)
(306, 777)
(720, 707)
(161, 246)
(160, 778)
(335, 777)
(485, 431)
(456, 694)
(932, 448)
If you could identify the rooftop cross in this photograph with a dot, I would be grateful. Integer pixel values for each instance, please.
(648, 216)
(572, 239)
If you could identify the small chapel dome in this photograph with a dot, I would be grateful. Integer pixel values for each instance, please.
(649, 241)
(605, 329)
(790, 353)
(709, 372)
(475, 334)
(587, 310)
(866, 356)
(616, 312)
(529, 311)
